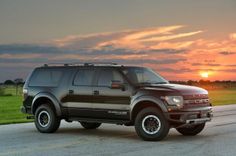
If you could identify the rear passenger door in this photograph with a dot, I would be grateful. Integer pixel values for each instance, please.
(80, 93)
(109, 102)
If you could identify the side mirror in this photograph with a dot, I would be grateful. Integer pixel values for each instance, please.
(117, 85)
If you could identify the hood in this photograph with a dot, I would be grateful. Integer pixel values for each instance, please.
(182, 89)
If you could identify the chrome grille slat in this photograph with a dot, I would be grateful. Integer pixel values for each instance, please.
(196, 100)
(195, 96)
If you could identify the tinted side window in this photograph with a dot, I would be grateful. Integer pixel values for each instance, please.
(107, 76)
(46, 77)
(84, 77)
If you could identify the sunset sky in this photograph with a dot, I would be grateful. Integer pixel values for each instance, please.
(181, 40)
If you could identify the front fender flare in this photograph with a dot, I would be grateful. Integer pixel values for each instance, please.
(148, 98)
(51, 98)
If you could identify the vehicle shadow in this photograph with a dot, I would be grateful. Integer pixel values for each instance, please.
(125, 134)
(100, 132)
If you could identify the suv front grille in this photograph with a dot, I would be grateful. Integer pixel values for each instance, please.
(196, 96)
(196, 100)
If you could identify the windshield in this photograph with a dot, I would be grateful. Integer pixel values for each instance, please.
(143, 76)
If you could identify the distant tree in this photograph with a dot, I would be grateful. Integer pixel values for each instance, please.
(190, 82)
(204, 82)
(19, 81)
(9, 82)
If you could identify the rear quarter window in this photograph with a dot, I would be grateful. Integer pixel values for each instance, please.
(46, 77)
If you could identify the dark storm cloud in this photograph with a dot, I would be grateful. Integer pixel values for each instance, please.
(22, 60)
(27, 49)
(120, 51)
(37, 49)
(169, 51)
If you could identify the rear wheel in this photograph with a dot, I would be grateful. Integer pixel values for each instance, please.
(90, 125)
(191, 130)
(151, 125)
(46, 120)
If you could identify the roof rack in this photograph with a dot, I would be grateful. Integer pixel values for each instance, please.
(99, 63)
(81, 64)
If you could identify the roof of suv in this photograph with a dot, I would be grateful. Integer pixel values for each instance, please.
(87, 64)
(82, 64)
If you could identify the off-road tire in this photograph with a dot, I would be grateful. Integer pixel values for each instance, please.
(191, 131)
(90, 125)
(53, 121)
(157, 115)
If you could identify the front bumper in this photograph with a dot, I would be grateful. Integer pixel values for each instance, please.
(25, 110)
(197, 121)
(190, 116)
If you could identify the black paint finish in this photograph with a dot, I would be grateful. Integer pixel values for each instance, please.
(104, 102)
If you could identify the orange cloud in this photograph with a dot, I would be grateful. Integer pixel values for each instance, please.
(131, 39)
(169, 37)
(141, 39)
(176, 55)
(152, 31)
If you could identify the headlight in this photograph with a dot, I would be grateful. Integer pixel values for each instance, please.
(174, 100)
(25, 91)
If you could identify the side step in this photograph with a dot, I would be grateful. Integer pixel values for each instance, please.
(119, 122)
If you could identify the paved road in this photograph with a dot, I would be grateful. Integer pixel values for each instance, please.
(218, 139)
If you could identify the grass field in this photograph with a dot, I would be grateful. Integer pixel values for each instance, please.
(10, 105)
(222, 97)
(10, 110)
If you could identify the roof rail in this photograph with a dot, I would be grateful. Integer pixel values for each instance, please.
(81, 64)
(57, 64)
(100, 63)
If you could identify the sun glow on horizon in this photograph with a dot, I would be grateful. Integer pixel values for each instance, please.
(204, 74)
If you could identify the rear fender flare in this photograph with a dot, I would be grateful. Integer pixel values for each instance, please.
(51, 98)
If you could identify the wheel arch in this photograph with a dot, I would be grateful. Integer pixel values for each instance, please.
(145, 102)
(43, 98)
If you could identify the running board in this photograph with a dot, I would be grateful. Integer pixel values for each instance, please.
(120, 122)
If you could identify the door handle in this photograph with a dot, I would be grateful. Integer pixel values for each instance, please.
(96, 92)
(71, 91)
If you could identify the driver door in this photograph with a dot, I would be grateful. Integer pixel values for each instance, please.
(111, 102)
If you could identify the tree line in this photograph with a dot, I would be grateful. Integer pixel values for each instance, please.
(18, 81)
(207, 84)
(201, 83)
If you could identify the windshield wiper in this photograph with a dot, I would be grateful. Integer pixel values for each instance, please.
(160, 83)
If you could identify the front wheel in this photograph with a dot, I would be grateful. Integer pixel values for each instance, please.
(191, 130)
(151, 125)
(90, 125)
(46, 120)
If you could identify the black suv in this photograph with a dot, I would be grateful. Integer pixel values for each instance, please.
(95, 93)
